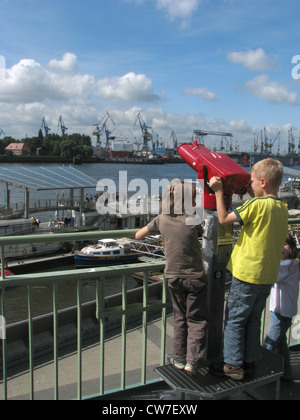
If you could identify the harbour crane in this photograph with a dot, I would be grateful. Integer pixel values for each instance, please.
(200, 134)
(45, 127)
(101, 128)
(146, 135)
(291, 143)
(62, 127)
(175, 140)
(1, 132)
(255, 149)
(273, 142)
(268, 143)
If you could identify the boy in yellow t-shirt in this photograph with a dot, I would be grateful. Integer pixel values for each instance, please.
(254, 264)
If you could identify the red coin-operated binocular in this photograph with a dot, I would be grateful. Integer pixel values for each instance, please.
(209, 164)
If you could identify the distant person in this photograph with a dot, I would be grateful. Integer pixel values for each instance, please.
(284, 304)
(254, 263)
(185, 273)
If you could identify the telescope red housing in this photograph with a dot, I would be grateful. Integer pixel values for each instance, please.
(209, 164)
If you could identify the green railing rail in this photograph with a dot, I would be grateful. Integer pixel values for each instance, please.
(78, 276)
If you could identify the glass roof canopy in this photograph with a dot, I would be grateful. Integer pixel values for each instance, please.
(50, 178)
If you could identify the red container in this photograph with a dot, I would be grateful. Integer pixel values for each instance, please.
(209, 164)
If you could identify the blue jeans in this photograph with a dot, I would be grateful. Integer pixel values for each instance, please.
(245, 305)
(276, 339)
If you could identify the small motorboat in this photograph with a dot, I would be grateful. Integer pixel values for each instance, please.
(106, 252)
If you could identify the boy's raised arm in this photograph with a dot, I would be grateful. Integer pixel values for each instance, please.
(224, 217)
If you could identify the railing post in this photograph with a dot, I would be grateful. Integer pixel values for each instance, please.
(145, 327)
(79, 338)
(163, 321)
(30, 334)
(2, 249)
(100, 307)
(124, 325)
(55, 341)
(4, 347)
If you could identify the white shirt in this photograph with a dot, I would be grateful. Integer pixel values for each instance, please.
(284, 294)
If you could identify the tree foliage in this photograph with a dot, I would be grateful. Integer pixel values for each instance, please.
(67, 146)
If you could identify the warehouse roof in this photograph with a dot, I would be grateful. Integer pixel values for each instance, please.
(45, 178)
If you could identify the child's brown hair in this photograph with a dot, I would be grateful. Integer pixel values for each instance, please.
(178, 198)
(290, 241)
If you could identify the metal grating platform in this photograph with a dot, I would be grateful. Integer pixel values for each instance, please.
(206, 386)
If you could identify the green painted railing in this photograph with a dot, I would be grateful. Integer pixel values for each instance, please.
(102, 313)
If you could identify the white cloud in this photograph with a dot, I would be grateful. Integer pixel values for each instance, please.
(239, 126)
(28, 81)
(130, 87)
(255, 60)
(178, 8)
(67, 63)
(263, 88)
(202, 92)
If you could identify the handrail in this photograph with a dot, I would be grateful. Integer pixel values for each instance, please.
(97, 275)
(58, 237)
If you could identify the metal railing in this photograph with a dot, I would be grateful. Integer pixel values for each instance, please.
(103, 313)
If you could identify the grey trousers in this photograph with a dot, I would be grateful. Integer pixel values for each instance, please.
(189, 299)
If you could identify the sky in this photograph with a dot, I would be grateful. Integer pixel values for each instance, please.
(217, 65)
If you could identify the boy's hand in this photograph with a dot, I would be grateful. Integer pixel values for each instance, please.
(216, 184)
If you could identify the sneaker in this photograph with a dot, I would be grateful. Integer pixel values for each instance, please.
(191, 368)
(236, 373)
(176, 363)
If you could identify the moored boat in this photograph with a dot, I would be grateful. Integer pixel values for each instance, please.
(106, 252)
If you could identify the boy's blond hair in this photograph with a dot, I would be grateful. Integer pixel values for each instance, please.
(270, 169)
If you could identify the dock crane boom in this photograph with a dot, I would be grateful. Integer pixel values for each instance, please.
(268, 143)
(1, 132)
(45, 127)
(61, 125)
(145, 132)
(175, 140)
(101, 128)
(291, 143)
(200, 134)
